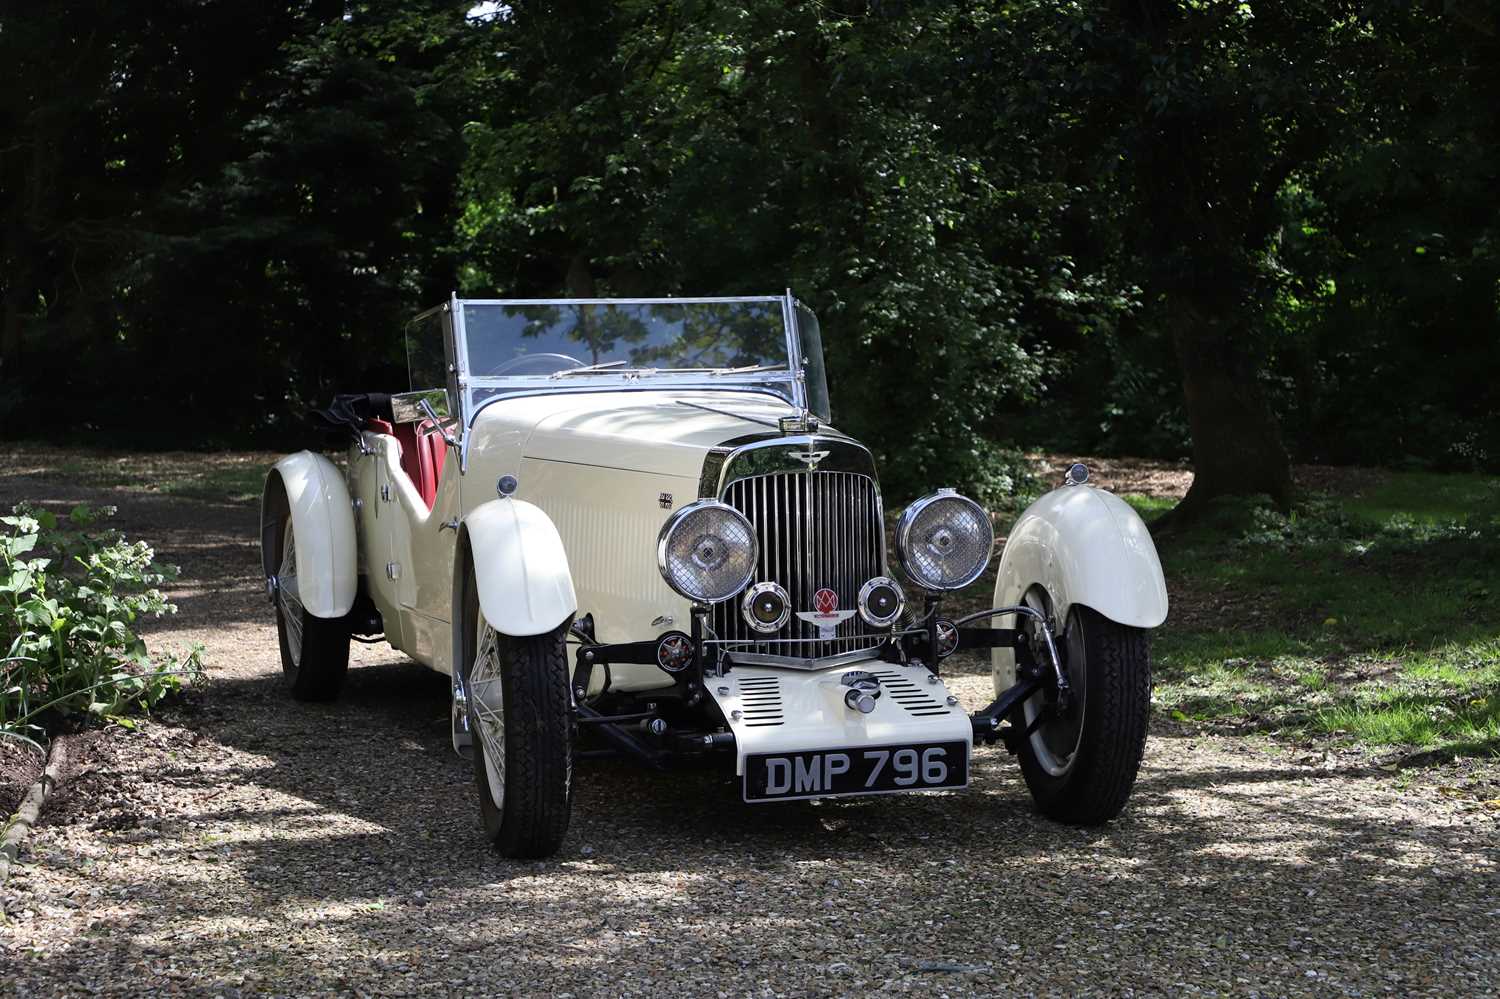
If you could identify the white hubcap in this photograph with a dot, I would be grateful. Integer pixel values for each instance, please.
(487, 696)
(1055, 748)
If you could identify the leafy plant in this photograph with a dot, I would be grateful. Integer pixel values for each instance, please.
(71, 593)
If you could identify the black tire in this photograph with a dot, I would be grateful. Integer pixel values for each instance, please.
(536, 792)
(314, 650)
(1109, 667)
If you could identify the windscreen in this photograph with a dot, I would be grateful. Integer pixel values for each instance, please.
(810, 336)
(425, 361)
(514, 340)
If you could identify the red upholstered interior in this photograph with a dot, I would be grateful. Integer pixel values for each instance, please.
(421, 455)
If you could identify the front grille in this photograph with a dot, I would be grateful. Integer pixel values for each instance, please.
(816, 529)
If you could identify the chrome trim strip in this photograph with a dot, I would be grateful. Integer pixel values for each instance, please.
(794, 351)
(725, 465)
(791, 662)
(685, 300)
(725, 412)
(639, 387)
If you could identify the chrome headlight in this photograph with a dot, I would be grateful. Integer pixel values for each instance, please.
(707, 551)
(944, 541)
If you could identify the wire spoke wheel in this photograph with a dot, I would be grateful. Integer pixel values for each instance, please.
(487, 695)
(288, 597)
(520, 716)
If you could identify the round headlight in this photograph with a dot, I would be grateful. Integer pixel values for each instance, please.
(944, 541)
(706, 551)
(767, 607)
(881, 602)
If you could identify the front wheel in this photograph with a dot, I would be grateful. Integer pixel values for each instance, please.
(519, 714)
(1080, 762)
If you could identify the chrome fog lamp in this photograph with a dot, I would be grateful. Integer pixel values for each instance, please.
(943, 541)
(766, 607)
(881, 602)
(707, 551)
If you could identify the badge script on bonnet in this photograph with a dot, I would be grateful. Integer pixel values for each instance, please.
(825, 613)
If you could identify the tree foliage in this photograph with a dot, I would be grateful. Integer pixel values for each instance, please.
(1230, 228)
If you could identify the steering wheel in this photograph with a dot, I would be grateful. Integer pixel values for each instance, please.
(545, 364)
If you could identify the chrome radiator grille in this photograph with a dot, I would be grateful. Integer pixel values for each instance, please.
(816, 529)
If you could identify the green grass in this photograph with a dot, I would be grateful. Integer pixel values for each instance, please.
(1149, 506)
(1426, 497)
(1372, 618)
(235, 483)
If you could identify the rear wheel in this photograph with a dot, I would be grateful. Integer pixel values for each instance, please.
(517, 692)
(1080, 761)
(314, 650)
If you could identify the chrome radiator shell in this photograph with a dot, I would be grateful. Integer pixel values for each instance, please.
(816, 508)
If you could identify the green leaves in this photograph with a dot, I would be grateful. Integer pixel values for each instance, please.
(699, 149)
(67, 619)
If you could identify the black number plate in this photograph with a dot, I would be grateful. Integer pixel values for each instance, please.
(865, 770)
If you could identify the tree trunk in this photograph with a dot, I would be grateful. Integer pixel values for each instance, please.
(1237, 447)
(580, 279)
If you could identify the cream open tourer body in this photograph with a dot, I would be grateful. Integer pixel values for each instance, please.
(633, 520)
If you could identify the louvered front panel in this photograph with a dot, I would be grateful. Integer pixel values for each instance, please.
(816, 529)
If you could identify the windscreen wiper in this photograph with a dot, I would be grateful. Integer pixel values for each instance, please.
(588, 368)
(748, 369)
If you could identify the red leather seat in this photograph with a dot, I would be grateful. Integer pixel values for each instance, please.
(422, 455)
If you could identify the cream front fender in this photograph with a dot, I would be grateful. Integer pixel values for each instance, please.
(1083, 546)
(323, 528)
(525, 586)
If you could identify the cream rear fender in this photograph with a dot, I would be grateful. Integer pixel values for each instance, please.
(1083, 546)
(323, 529)
(520, 566)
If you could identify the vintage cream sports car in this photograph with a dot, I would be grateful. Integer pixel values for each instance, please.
(633, 520)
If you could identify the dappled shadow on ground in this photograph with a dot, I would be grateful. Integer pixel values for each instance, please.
(248, 844)
(215, 545)
(355, 823)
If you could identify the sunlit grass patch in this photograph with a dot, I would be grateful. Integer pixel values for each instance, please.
(1375, 618)
(1405, 720)
(1313, 678)
(1149, 506)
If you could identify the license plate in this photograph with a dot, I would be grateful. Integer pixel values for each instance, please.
(865, 770)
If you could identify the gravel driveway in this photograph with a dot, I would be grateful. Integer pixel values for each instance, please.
(246, 844)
